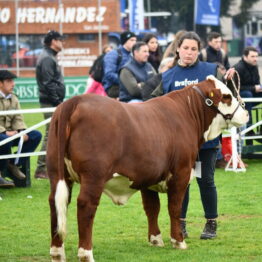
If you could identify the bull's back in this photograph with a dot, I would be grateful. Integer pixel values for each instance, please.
(96, 124)
(106, 132)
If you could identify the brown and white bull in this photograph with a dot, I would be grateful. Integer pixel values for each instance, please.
(92, 138)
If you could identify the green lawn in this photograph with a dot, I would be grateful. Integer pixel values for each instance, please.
(120, 233)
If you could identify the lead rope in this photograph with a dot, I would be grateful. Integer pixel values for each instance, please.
(237, 89)
(242, 103)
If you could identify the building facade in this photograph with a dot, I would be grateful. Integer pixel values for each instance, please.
(86, 25)
(253, 28)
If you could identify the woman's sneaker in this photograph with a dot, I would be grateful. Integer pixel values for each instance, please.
(210, 229)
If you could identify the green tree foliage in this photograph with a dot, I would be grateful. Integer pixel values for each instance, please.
(242, 18)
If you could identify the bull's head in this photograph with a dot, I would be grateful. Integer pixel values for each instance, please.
(231, 110)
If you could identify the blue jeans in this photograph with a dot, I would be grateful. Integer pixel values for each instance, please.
(28, 146)
(206, 184)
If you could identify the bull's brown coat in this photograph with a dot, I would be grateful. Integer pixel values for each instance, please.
(144, 142)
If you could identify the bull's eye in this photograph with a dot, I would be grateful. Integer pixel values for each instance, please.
(227, 99)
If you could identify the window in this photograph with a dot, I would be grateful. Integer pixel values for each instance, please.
(254, 26)
(248, 29)
(29, 47)
(87, 37)
(260, 26)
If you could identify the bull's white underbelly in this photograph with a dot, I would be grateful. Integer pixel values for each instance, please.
(118, 187)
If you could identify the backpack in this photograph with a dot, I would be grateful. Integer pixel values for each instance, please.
(204, 55)
(97, 69)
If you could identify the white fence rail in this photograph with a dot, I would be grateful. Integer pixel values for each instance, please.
(235, 163)
(11, 138)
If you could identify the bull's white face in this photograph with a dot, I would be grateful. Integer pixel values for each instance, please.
(226, 106)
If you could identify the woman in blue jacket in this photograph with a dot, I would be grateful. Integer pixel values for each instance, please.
(189, 70)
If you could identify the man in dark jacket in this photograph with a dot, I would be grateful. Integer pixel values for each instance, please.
(214, 53)
(51, 86)
(249, 77)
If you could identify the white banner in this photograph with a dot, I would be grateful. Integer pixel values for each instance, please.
(136, 15)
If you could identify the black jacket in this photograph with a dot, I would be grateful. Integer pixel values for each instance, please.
(249, 75)
(214, 56)
(49, 78)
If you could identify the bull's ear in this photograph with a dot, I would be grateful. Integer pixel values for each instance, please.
(215, 95)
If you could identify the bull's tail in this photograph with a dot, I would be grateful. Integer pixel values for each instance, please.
(61, 201)
(60, 129)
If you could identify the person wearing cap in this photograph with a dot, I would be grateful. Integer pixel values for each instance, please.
(11, 125)
(51, 86)
(112, 63)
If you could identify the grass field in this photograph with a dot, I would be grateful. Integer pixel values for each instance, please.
(120, 233)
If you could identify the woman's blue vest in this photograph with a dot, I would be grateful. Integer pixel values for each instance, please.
(178, 77)
(141, 72)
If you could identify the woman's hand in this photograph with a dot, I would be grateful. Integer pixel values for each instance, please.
(230, 73)
(258, 88)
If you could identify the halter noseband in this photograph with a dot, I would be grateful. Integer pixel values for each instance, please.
(210, 103)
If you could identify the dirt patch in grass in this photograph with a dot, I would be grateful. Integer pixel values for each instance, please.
(33, 258)
(226, 217)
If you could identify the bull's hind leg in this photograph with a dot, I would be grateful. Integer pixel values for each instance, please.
(151, 205)
(87, 202)
(59, 189)
(176, 191)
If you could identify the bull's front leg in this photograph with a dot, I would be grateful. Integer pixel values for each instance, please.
(176, 191)
(151, 205)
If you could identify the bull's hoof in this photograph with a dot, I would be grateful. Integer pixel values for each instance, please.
(85, 255)
(57, 254)
(178, 245)
(57, 258)
(86, 259)
(156, 241)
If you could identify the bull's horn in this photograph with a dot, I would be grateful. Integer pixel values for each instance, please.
(211, 77)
